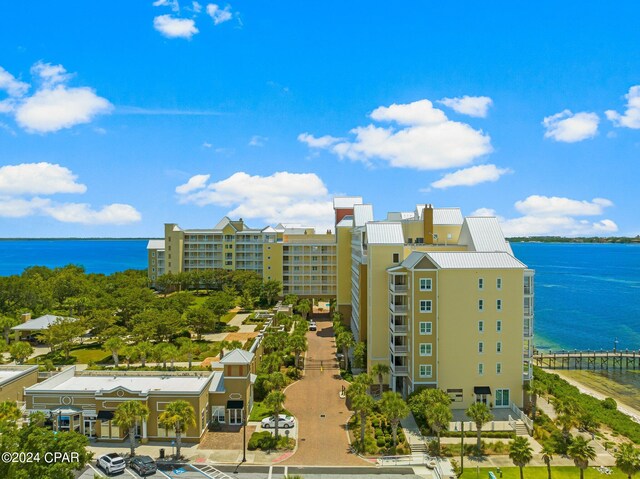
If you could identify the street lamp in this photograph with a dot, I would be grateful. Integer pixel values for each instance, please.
(244, 438)
(615, 345)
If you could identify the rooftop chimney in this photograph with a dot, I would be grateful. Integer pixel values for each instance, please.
(428, 223)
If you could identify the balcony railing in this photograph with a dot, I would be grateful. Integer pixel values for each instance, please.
(399, 370)
(398, 288)
(528, 332)
(398, 308)
(397, 328)
(398, 349)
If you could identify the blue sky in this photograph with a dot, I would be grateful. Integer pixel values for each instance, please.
(118, 117)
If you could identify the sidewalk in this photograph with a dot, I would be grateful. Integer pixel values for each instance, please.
(412, 432)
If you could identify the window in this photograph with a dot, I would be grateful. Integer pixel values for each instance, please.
(499, 283)
(396, 257)
(480, 283)
(425, 305)
(499, 304)
(502, 397)
(426, 370)
(499, 347)
(480, 304)
(456, 395)
(425, 284)
(498, 368)
(481, 347)
(449, 236)
(314, 268)
(499, 325)
(314, 258)
(153, 254)
(481, 326)
(268, 257)
(217, 413)
(426, 349)
(425, 327)
(268, 267)
(480, 369)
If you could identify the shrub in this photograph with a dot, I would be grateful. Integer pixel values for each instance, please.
(380, 441)
(261, 440)
(293, 373)
(609, 403)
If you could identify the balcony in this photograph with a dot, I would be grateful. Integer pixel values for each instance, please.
(398, 308)
(397, 327)
(398, 349)
(400, 288)
(528, 332)
(399, 370)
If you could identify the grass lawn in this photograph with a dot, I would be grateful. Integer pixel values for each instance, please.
(560, 472)
(260, 411)
(81, 354)
(227, 317)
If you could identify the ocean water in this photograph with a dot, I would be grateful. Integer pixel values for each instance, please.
(97, 256)
(586, 296)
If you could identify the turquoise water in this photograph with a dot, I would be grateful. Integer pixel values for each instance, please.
(587, 295)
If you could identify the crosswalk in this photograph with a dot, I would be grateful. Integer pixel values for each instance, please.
(213, 473)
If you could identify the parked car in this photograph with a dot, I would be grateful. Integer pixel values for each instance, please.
(312, 326)
(111, 463)
(143, 465)
(284, 421)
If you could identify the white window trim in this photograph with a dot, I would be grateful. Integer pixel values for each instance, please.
(426, 333)
(430, 349)
(426, 280)
(426, 302)
(499, 326)
(480, 369)
(499, 347)
(498, 368)
(427, 367)
(480, 347)
(480, 284)
(481, 305)
(499, 283)
(481, 326)
(498, 305)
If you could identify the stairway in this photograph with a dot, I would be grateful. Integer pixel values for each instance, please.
(418, 448)
(521, 429)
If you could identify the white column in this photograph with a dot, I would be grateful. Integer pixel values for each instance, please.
(144, 429)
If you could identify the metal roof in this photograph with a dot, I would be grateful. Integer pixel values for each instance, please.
(362, 214)
(346, 201)
(346, 221)
(39, 324)
(217, 383)
(413, 259)
(384, 233)
(483, 233)
(237, 356)
(474, 260)
(400, 215)
(155, 244)
(447, 216)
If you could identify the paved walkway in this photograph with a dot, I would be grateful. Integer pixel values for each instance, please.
(315, 402)
(412, 431)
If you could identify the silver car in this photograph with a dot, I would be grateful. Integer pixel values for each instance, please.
(284, 421)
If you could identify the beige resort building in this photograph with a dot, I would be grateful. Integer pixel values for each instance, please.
(438, 297)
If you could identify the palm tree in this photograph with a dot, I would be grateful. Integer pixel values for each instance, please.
(628, 459)
(580, 451)
(363, 404)
(145, 350)
(394, 409)
(179, 416)
(271, 363)
(298, 344)
(380, 369)
(548, 450)
(229, 346)
(438, 417)
(304, 308)
(275, 381)
(127, 415)
(275, 403)
(520, 453)
(344, 341)
(480, 414)
(114, 345)
(188, 348)
(535, 389)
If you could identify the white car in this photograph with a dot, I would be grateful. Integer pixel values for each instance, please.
(312, 326)
(112, 463)
(284, 421)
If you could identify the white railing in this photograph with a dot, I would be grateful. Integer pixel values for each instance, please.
(408, 460)
(523, 417)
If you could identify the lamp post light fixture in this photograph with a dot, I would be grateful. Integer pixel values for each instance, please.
(244, 438)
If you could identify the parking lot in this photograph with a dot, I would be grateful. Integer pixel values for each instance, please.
(164, 471)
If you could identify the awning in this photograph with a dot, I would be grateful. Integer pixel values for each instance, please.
(235, 404)
(105, 415)
(482, 390)
(66, 411)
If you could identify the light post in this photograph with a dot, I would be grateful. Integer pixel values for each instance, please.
(615, 345)
(244, 438)
(461, 447)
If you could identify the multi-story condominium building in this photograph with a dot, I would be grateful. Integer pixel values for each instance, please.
(439, 298)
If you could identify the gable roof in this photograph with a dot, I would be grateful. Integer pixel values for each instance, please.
(347, 221)
(39, 324)
(483, 233)
(447, 216)
(237, 356)
(155, 244)
(384, 233)
(474, 260)
(346, 201)
(362, 214)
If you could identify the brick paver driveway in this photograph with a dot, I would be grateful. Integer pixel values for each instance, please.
(316, 404)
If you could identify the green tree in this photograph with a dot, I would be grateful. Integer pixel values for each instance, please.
(297, 344)
(128, 414)
(145, 351)
(360, 355)
(303, 308)
(548, 450)
(628, 459)
(520, 453)
(9, 413)
(535, 389)
(188, 348)
(164, 352)
(201, 320)
(480, 414)
(130, 354)
(270, 291)
(271, 363)
(275, 403)
(219, 303)
(66, 331)
(20, 351)
(568, 413)
(179, 416)
(114, 346)
(581, 452)
(380, 370)
(229, 346)
(361, 402)
(275, 341)
(394, 409)
(434, 405)
(438, 418)
(275, 381)
(344, 341)
(6, 323)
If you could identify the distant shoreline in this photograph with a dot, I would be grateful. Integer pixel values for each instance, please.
(578, 240)
(77, 239)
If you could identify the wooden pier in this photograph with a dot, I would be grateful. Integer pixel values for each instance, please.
(594, 360)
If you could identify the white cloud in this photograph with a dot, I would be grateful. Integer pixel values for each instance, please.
(62, 107)
(427, 140)
(281, 197)
(172, 27)
(537, 205)
(555, 216)
(114, 214)
(195, 183)
(9, 84)
(219, 15)
(570, 128)
(471, 176)
(206, 144)
(175, 6)
(196, 7)
(38, 179)
(54, 105)
(631, 117)
(476, 106)
(257, 140)
(35, 180)
(50, 75)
